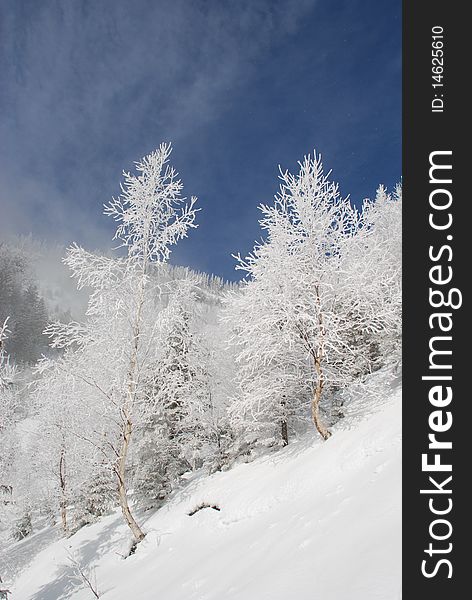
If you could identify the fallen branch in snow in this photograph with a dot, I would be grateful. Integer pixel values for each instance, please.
(203, 505)
(82, 575)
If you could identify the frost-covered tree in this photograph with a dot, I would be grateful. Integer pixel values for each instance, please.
(7, 378)
(219, 360)
(14, 516)
(31, 318)
(177, 396)
(8, 374)
(273, 376)
(378, 251)
(116, 347)
(8, 409)
(63, 458)
(13, 267)
(291, 314)
(170, 392)
(22, 303)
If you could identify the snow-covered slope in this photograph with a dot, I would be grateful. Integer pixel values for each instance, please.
(312, 521)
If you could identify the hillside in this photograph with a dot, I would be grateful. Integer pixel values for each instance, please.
(312, 521)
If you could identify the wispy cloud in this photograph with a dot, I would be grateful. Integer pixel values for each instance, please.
(87, 87)
(85, 83)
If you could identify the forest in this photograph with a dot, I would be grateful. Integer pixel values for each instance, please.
(172, 371)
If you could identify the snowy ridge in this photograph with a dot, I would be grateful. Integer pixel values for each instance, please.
(316, 520)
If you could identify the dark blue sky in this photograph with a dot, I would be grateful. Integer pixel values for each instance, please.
(240, 86)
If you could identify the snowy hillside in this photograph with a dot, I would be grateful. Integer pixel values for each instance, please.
(315, 520)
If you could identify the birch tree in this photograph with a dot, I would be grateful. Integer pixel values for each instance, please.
(63, 458)
(293, 283)
(115, 347)
(324, 286)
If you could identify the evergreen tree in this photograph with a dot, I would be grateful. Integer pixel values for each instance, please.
(31, 319)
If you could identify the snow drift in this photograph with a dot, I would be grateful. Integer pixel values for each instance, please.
(316, 520)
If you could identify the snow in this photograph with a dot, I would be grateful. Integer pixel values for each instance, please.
(315, 520)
